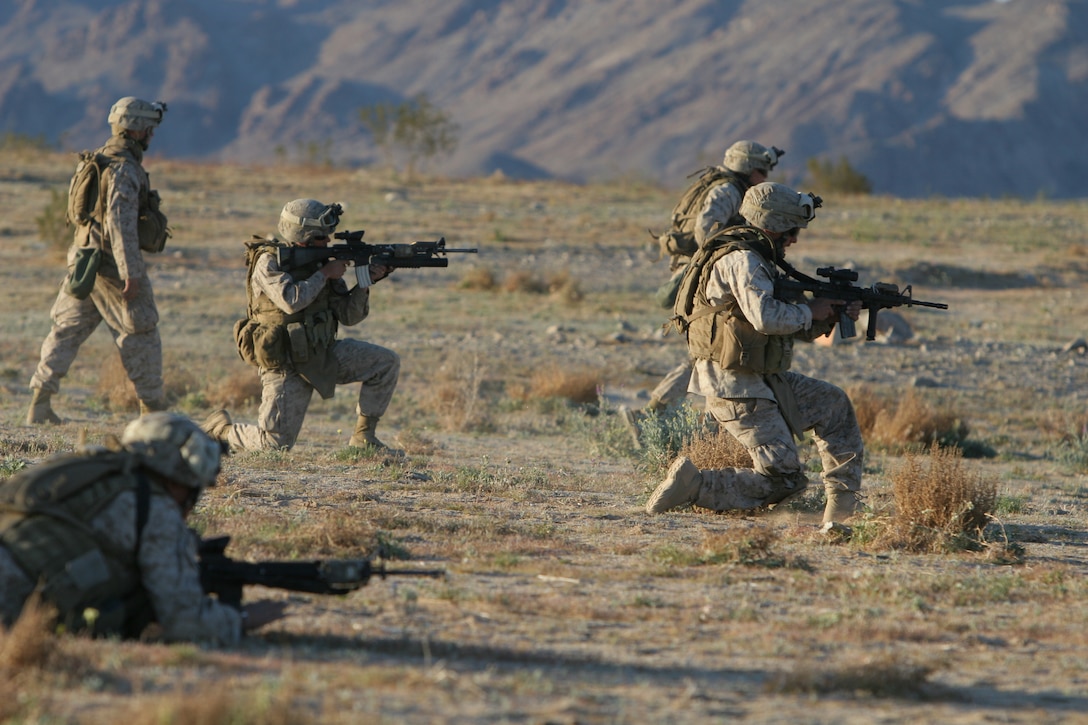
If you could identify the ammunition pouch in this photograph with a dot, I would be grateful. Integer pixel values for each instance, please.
(743, 348)
(677, 243)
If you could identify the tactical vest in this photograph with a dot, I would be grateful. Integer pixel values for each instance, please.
(679, 241)
(87, 190)
(45, 515)
(721, 332)
(297, 342)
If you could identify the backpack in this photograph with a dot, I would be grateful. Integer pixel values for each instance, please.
(692, 277)
(85, 190)
(44, 525)
(679, 240)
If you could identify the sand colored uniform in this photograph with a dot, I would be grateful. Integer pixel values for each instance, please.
(744, 404)
(166, 565)
(132, 323)
(286, 394)
(720, 210)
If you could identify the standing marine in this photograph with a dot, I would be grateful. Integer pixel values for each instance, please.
(740, 337)
(117, 219)
(293, 313)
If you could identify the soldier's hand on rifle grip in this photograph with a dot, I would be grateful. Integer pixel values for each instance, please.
(823, 308)
(853, 310)
(335, 269)
(379, 271)
(258, 614)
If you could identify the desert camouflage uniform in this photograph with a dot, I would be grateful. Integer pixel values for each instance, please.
(133, 323)
(285, 396)
(168, 570)
(744, 405)
(720, 210)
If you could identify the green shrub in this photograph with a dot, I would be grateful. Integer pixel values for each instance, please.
(840, 177)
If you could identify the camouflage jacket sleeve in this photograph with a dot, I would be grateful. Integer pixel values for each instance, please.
(121, 214)
(747, 277)
(720, 205)
(169, 570)
(287, 294)
(353, 307)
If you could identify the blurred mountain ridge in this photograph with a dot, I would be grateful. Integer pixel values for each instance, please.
(924, 97)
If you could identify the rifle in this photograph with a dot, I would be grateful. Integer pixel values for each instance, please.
(225, 577)
(360, 254)
(882, 295)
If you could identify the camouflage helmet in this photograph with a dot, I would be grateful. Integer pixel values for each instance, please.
(777, 207)
(134, 114)
(174, 447)
(303, 219)
(744, 157)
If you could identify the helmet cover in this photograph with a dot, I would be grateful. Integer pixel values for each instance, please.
(174, 447)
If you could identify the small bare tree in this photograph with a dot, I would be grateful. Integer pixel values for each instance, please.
(417, 128)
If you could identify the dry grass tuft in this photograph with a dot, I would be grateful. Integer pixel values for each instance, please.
(455, 393)
(221, 704)
(907, 423)
(524, 282)
(939, 505)
(716, 450)
(115, 390)
(415, 443)
(29, 643)
(237, 390)
(577, 386)
(883, 677)
(564, 288)
(750, 546)
(481, 279)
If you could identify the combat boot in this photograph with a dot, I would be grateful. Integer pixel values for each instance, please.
(680, 487)
(840, 506)
(40, 410)
(216, 424)
(152, 406)
(364, 437)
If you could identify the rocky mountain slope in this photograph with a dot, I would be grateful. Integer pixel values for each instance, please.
(949, 97)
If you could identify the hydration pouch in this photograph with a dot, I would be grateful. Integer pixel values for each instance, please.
(82, 275)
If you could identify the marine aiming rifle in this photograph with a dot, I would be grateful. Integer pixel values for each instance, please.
(360, 254)
(881, 296)
(225, 577)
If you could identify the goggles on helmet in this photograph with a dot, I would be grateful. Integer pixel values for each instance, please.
(156, 110)
(327, 220)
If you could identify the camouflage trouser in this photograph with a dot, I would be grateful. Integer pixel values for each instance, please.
(286, 396)
(777, 471)
(674, 386)
(133, 325)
